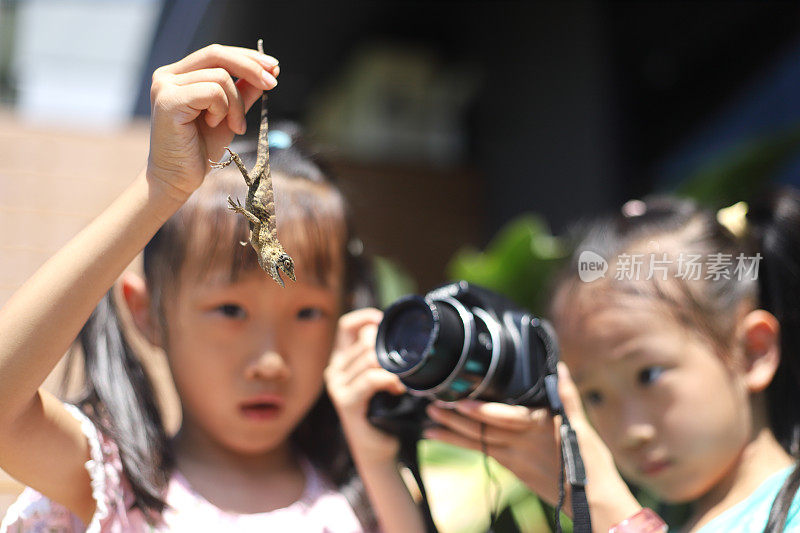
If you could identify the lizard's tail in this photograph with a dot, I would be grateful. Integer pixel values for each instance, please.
(262, 159)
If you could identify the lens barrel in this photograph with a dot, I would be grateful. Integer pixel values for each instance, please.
(440, 348)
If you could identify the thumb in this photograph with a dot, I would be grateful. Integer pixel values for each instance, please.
(570, 397)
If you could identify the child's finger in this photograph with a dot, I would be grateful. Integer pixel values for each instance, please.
(187, 103)
(468, 427)
(344, 358)
(512, 417)
(249, 93)
(368, 334)
(236, 121)
(211, 98)
(570, 396)
(359, 366)
(239, 62)
(354, 320)
(267, 60)
(445, 435)
(351, 323)
(374, 380)
(345, 355)
(271, 80)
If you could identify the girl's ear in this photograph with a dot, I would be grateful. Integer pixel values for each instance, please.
(137, 298)
(762, 349)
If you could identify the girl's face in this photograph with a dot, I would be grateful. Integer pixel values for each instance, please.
(673, 414)
(248, 356)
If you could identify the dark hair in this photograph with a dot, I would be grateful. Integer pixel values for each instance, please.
(121, 402)
(120, 397)
(708, 305)
(775, 222)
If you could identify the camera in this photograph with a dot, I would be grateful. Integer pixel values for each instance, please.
(462, 341)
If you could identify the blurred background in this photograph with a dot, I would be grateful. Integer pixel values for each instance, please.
(468, 136)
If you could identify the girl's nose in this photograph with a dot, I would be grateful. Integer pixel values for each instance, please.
(636, 428)
(269, 366)
(636, 435)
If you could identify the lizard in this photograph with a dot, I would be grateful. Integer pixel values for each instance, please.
(259, 207)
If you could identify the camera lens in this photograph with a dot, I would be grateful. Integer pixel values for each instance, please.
(409, 335)
(462, 341)
(420, 341)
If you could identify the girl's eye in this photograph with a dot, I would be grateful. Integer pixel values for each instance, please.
(593, 398)
(310, 313)
(231, 311)
(650, 374)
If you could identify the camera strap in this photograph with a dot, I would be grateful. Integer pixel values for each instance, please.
(571, 466)
(409, 455)
(572, 470)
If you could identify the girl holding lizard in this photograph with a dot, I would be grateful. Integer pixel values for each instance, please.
(261, 445)
(686, 385)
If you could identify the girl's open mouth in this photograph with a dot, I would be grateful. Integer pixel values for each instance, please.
(262, 407)
(655, 467)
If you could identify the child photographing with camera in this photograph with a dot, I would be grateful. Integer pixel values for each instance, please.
(687, 386)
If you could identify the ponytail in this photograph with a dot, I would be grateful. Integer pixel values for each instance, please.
(121, 402)
(775, 228)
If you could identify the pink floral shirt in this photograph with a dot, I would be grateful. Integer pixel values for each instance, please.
(321, 508)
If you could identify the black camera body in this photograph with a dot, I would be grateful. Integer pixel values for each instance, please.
(462, 341)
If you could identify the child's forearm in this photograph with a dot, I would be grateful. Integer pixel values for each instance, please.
(42, 319)
(395, 509)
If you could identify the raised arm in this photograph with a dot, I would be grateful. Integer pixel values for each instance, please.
(196, 108)
(352, 378)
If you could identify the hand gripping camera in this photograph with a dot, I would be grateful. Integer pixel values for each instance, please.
(463, 341)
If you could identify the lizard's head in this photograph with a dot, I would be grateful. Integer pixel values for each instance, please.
(275, 263)
(286, 264)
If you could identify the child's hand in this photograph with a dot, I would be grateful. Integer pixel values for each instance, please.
(352, 378)
(196, 109)
(610, 500)
(526, 442)
(520, 438)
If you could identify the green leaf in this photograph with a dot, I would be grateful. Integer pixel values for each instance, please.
(737, 173)
(451, 472)
(391, 281)
(517, 263)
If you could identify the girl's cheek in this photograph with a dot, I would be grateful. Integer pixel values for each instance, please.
(605, 419)
(599, 422)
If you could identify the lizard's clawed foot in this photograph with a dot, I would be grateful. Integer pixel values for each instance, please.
(235, 206)
(222, 164)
